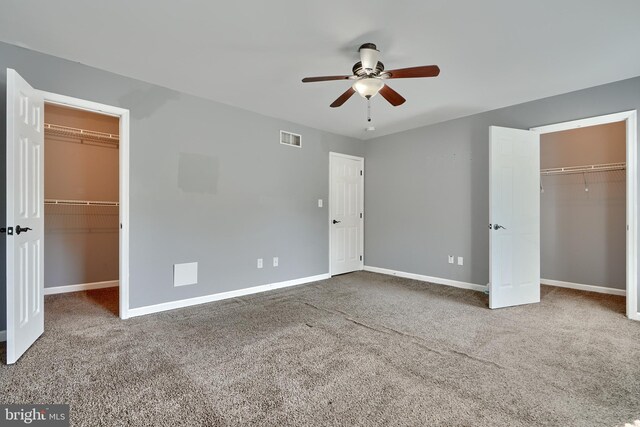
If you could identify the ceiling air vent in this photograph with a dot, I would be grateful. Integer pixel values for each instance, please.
(288, 138)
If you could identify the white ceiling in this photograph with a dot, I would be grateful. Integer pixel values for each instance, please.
(252, 54)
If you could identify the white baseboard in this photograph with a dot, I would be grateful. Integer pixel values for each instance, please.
(430, 279)
(172, 305)
(81, 287)
(3, 336)
(581, 287)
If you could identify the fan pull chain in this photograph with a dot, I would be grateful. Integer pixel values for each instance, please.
(369, 109)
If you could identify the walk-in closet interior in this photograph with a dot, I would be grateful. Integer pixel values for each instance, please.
(583, 207)
(81, 184)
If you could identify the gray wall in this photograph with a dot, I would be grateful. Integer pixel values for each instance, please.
(427, 189)
(583, 233)
(81, 242)
(259, 200)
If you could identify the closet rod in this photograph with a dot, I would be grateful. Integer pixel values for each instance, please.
(92, 135)
(567, 170)
(79, 202)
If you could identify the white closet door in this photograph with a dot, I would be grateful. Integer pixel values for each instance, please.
(514, 193)
(25, 215)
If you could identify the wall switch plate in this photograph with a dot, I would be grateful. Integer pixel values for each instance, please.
(275, 261)
(185, 274)
(460, 260)
(319, 203)
(450, 259)
(259, 262)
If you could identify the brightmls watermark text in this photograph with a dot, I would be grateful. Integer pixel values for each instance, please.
(34, 415)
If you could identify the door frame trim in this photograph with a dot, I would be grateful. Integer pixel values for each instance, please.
(630, 118)
(123, 115)
(333, 155)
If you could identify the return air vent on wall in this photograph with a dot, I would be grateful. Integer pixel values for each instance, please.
(288, 138)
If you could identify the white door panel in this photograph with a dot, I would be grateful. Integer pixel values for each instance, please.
(25, 204)
(346, 209)
(514, 160)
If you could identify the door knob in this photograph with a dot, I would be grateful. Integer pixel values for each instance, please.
(498, 227)
(335, 222)
(21, 229)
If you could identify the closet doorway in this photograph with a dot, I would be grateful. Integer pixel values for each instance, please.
(588, 203)
(86, 192)
(25, 195)
(81, 202)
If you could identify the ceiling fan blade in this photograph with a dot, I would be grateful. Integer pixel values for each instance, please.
(324, 78)
(343, 98)
(405, 73)
(392, 96)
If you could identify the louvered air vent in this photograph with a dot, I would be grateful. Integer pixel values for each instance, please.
(288, 138)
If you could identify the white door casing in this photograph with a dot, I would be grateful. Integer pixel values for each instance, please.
(25, 208)
(514, 203)
(346, 211)
(123, 115)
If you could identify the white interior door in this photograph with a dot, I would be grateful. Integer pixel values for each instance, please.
(514, 193)
(346, 213)
(25, 218)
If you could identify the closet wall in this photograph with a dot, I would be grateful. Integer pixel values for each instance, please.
(582, 233)
(81, 242)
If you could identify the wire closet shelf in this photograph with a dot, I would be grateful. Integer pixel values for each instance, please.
(82, 134)
(568, 170)
(63, 202)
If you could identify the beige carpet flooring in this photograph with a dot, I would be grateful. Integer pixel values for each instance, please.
(357, 350)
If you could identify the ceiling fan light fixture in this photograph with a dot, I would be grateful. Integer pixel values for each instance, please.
(368, 87)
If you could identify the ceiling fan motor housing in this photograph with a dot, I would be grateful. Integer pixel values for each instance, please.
(358, 69)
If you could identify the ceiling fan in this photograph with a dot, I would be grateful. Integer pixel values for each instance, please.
(369, 75)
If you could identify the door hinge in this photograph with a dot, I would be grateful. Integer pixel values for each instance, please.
(360, 215)
(360, 257)
(360, 173)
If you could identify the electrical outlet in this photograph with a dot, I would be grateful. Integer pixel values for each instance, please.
(259, 262)
(450, 259)
(460, 260)
(319, 203)
(275, 261)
